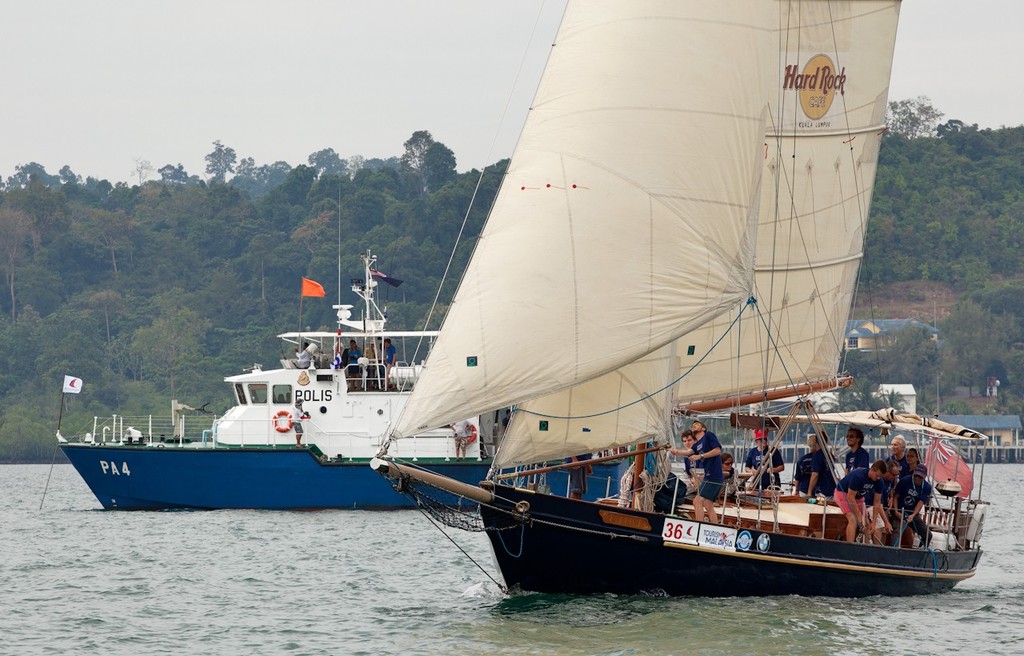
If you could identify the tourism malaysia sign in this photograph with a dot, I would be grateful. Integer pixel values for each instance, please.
(816, 82)
(682, 531)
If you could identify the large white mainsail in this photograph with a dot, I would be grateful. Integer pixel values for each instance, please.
(636, 175)
(828, 116)
(831, 68)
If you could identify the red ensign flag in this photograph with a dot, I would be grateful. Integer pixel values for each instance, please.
(946, 465)
(312, 288)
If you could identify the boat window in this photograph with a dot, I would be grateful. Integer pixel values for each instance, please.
(258, 392)
(240, 393)
(283, 394)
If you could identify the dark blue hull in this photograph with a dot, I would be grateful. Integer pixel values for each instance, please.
(145, 478)
(567, 546)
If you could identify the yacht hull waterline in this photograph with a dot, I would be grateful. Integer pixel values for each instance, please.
(565, 546)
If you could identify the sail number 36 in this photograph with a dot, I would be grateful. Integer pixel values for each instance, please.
(680, 530)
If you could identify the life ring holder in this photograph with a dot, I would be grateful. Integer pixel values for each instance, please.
(278, 426)
(472, 434)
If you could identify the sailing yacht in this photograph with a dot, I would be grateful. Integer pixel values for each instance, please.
(680, 231)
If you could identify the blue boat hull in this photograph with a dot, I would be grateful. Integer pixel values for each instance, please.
(145, 478)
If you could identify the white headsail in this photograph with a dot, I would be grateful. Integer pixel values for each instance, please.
(830, 66)
(627, 216)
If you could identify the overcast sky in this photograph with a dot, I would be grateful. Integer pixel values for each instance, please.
(97, 85)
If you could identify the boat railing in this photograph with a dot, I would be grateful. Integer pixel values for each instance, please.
(960, 523)
(148, 429)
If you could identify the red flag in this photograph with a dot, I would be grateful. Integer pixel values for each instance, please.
(945, 464)
(312, 288)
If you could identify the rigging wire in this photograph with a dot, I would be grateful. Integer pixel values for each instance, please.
(48, 474)
(472, 202)
(501, 587)
(479, 181)
(750, 301)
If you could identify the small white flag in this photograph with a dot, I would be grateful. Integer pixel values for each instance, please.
(72, 385)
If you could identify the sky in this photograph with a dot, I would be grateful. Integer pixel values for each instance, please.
(103, 84)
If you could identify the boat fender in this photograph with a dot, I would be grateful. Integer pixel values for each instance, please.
(282, 427)
(977, 524)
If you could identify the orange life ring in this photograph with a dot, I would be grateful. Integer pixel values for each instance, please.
(472, 434)
(278, 426)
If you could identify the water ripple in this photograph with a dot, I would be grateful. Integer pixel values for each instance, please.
(77, 580)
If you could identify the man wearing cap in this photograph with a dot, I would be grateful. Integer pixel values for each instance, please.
(756, 456)
(912, 494)
(707, 450)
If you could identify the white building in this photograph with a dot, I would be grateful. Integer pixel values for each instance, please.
(906, 392)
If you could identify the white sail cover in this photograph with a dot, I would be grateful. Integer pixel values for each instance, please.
(893, 419)
(626, 218)
(820, 153)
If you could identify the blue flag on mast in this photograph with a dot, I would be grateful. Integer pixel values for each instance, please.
(383, 277)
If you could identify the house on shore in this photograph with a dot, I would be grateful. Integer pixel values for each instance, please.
(906, 393)
(880, 334)
(1005, 430)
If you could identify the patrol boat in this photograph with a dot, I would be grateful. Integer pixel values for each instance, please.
(691, 192)
(250, 456)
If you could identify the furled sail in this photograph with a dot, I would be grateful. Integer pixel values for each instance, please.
(830, 67)
(626, 217)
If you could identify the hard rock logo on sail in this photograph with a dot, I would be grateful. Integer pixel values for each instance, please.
(817, 84)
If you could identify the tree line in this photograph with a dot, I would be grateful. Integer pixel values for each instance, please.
(159, 289)
(161, 286)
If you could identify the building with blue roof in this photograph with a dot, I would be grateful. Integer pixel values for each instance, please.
(1005, 430)
(879, 334)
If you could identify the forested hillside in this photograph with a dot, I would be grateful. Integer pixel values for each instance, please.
(158, 288)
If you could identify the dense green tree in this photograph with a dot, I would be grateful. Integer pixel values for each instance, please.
(68, 177)
(27, 173)
(16, 228)
(438, 166)
(976, 340)
(220, 162)
(170, 347)
(913, 118)
(327, 162)
(171, 174)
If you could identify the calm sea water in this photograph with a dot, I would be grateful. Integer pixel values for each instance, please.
(78, 580)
